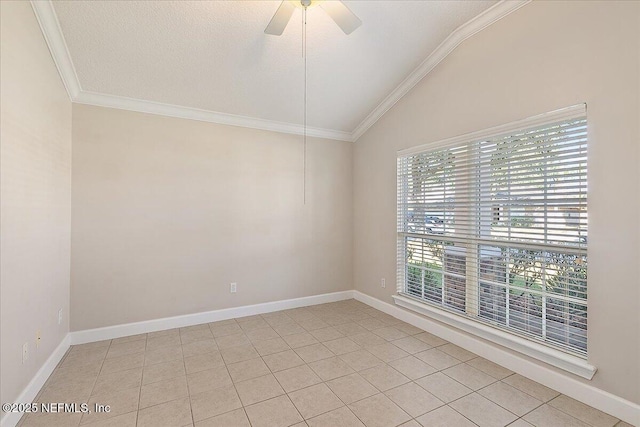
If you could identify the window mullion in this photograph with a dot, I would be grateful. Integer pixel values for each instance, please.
(469, 213)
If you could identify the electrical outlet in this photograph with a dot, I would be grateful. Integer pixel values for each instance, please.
(25, 352)
(233, 288)
(38, 336)
(60, 317)
(383, 283)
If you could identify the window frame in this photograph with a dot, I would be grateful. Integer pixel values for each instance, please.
(560, 358)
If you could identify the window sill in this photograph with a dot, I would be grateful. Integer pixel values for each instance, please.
(553, 357)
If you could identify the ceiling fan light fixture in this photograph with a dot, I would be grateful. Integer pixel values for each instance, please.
(336, 9)
(305, 4)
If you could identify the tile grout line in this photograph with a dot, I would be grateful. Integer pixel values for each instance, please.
(144, 359)
(278, 381)
(566, 413)
(276, 378)
(303, 388)
(184, 365)
(232, 382)
(506, 409)
(98, 376)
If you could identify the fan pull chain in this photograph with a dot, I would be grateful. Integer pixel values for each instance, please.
(304, 157)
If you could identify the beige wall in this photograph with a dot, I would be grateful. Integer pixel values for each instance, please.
(167, 212)
(546, 55)
(35, 136)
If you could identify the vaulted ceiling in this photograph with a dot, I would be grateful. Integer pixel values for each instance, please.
(214, 60)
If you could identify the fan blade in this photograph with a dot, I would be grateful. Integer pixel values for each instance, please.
(341, 14)
(280, 19)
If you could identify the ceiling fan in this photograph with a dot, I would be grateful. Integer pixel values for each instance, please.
(336, 9)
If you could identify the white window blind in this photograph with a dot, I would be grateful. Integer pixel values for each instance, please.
(494, 228)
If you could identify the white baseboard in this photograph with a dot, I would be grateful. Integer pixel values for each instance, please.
(10, 419)
(595, 397)
(117, 331)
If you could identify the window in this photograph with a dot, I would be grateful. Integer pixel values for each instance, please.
(493, 227)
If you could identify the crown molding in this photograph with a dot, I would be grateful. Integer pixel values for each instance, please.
(151, 107)
(50, 26)
(460, 34)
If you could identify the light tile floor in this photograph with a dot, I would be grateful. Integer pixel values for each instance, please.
(338, 364)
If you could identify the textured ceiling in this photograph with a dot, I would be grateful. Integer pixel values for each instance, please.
(215, 56)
